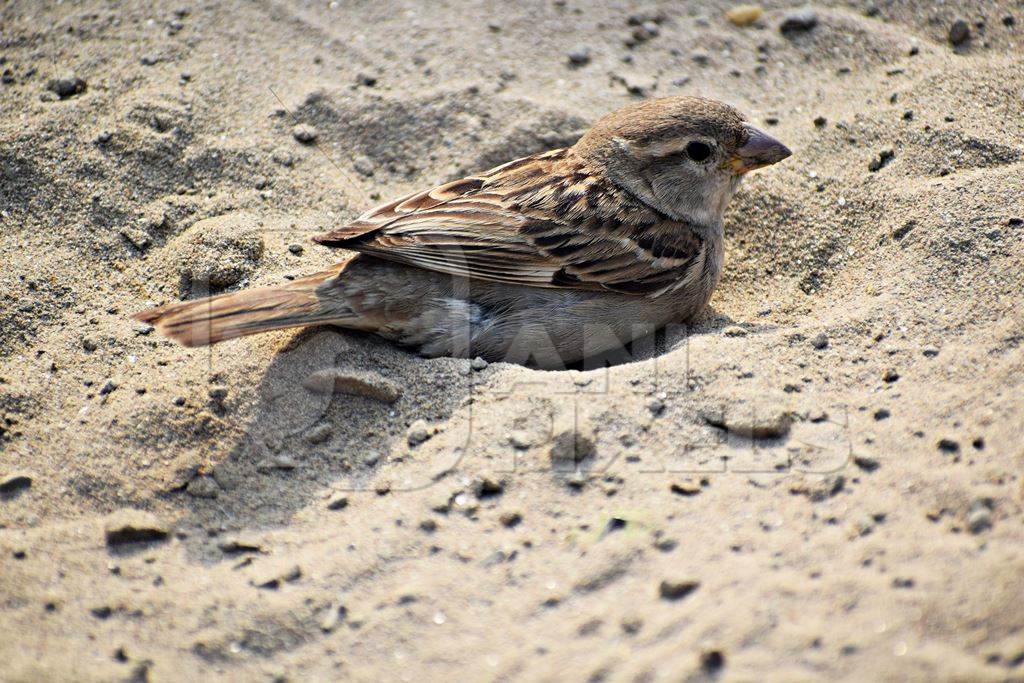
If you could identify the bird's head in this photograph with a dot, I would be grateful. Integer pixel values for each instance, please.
(683, 156)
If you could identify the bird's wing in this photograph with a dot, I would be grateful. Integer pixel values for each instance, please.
(541, 221)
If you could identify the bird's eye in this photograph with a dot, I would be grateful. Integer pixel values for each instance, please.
(698, 151)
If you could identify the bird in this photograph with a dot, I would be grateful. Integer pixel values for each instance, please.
(545, 261)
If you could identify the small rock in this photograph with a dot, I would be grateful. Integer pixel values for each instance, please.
(14, 483)
(890, 376)
(866, 463)
(571, 445)
(510, 519)
(239, 544)
(354, 383)
(150, 59)
(203, 487)
(478, 364)
(820, 122)
(418, 432)
(744, 15)
(89, 344)
(296, 249)
(819, 341)
(817, 489)
(273, 577)
(761, 422)
(363, 165)
(109, 387)
(735, 331)
(339, 501)
(367, 80)
(487, 487)
(979, 518)
(305, 133)
(672, 589)
(67, 86)
(884, 157)
(930, 351)
(133, 526)
(579, 56)
(520, 440)
(882, 414)
(686, 487)
(948, 446)
(959, 33)
(800, 20)
(319, 433)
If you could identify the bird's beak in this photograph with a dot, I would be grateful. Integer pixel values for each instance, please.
(760, 150)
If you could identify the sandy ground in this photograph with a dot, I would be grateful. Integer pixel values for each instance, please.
(820, 481)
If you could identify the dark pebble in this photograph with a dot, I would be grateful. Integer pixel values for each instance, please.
(14, 483)
(800, 20)
(67, 86)
(949, 446)
(677, 590)
(959, 32)
(865, 463)
(820, 122)
(579, 56)
(884, 157)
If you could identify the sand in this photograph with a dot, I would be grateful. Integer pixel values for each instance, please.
(820, 480)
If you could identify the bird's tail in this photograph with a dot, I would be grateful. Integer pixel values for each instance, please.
(227, 316)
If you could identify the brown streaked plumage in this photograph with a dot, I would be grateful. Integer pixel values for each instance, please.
(546, 259)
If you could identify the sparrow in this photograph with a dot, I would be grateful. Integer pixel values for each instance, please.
(545, 261)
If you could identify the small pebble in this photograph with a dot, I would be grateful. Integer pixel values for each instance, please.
(959, 33)
(948, 446)
(478, 364)
(418, 433)
(884, 157)
(510, 519)
(14, 483)
(735, 331)
(744, 15)
(338, 501)
(296, 249)
(133, 526)
(305, 133)
(579, 56)
(670, 589)
(800, 20)
(67, 86)
(890, 376)
(819, 341)
(979, 519)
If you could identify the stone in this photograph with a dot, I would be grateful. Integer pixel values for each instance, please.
(368, 384)
(579, 55)
(67, 86)
(203, 487)
(133, 526)
(676, 589)
(338, 501)
(819, 341)
(418, 432)
(14, 483)
(686, 487)
(798, 21)
(305, 133)
(959, 33)
(744, 15)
